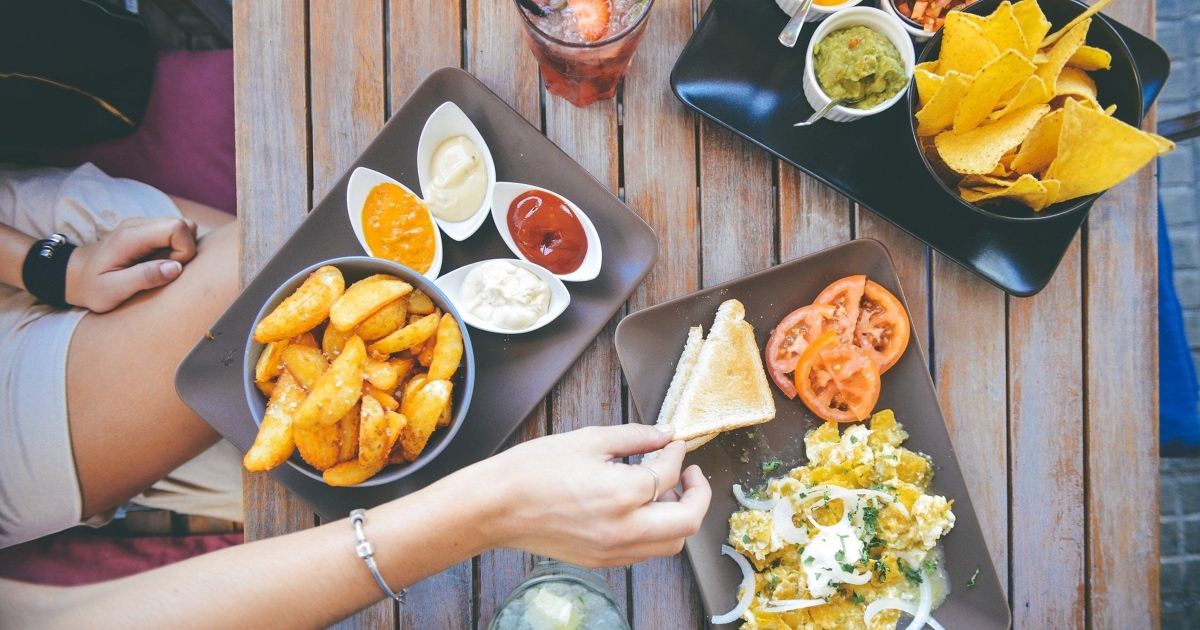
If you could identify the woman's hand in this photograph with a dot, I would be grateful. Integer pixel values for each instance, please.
(140, 254)
(566, 498)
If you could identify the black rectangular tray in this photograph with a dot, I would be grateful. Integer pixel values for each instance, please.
(513, 372)
(734, 71)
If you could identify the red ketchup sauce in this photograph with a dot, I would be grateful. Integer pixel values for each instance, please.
(547, 231)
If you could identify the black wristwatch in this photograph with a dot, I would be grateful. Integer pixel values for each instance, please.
(45, 270)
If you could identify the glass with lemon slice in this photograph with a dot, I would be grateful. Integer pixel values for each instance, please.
(560, 596)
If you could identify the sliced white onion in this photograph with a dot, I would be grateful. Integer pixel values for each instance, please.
(783, 525)
(924, 606)
(884, 603)
(787, 605)
(752, 504)
(857, 579)
(747, 588)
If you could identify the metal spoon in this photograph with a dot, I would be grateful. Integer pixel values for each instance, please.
(791, 32)
(825, 110)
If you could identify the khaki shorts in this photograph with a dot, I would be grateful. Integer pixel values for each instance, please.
(39, 490)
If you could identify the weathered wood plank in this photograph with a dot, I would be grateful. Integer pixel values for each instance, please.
(659, 165)
(812, 216)
(346, 56)
(273, 187)
(422, 37)
(496, 55)
(1046, 452)
(737, 206)
(1121, 279)
(969, 362)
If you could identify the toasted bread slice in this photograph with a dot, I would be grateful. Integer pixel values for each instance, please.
(683, 372)
(728, 387)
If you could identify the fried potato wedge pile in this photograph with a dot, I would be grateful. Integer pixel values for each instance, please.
(370, 393)
(1008, 111)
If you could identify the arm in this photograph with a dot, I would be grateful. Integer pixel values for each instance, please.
(560, 496)
(140, 254)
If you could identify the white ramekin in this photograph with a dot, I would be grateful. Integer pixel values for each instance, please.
(817, 11)
(881, 23)
(916, 32)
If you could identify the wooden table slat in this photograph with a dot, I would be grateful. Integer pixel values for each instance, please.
(1046, 466)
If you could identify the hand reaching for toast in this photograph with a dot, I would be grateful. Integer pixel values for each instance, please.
(140, 254)
(573, 500)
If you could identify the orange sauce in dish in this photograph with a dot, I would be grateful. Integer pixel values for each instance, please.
(397, 226)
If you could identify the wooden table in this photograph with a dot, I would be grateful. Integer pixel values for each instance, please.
(1052, 399)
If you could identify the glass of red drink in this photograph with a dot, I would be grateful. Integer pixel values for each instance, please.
(583, 53)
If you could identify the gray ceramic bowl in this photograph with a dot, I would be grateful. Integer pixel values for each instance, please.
(355, 268)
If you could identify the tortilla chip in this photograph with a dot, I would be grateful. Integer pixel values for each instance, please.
(1097, 152)
(928, 66)
(1112, 109)
(1060, 53)
(1002, 29)
(1090, 58)
(927, 85)
(1040, 147)
(1033, 91)
(1025, 189)
(979, 151)
(1079, 19)
(1034, 25)
(964, 48)
(997, 77)
(938, 113)
(1053, 187)
(1076, 82)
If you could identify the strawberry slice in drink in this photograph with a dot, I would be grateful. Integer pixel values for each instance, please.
(591, 17)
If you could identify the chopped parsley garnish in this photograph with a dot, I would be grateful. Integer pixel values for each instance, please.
(870, 516)
(771, 465)
(839, 556)
(855, 598)
(853, 440)
(848, 568)
(912, 573)
(971, 582)
(808, 561)
(771, 584)
(745, 539)
(881, 570)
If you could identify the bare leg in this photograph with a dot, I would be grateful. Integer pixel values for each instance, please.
(128, 427)
(207, 218)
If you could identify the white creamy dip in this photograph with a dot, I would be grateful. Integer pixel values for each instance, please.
(506, 295)
(459, 180)
(828, 555)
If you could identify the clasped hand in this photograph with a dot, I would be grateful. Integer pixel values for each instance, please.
(140, 254)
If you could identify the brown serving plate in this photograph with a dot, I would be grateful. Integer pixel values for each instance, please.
(514, 372)
(649, 343)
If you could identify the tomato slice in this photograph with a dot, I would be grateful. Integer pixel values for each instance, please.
(883, 328)
(844, 295)
(837, 381)
(790, 338)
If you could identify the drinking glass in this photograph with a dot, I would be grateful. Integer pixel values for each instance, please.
(583, 71)
(560, 595)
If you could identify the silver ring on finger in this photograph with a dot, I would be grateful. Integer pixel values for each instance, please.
(650, 470)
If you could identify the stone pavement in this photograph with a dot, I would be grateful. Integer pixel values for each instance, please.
(1179, 179)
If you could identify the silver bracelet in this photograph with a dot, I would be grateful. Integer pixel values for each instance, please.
(366, 551)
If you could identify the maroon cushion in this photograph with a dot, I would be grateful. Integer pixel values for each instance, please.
(185, 144)
(80, 556)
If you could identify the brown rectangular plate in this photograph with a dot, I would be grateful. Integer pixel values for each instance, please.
(649, 343)
(513, 372)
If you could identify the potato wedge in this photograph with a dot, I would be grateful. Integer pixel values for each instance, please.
(404, 367)
(419, 303)
(274, 443)
(422, 410)
(352, 473)
(382, 374)
(372, 432)
(348, 444)
(307, 339)
(337, 390)
(319, 445)
(425, 356)
(413, 385)
(333, 341)
(384, 322)
(386, 400)
(304, 309)
(305, 364)
(396, 424)
(448, 351)
(270, 362)
(266, 387)
(364, 298)
(410, 336)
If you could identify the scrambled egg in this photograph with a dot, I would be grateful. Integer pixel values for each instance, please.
(863, 528)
